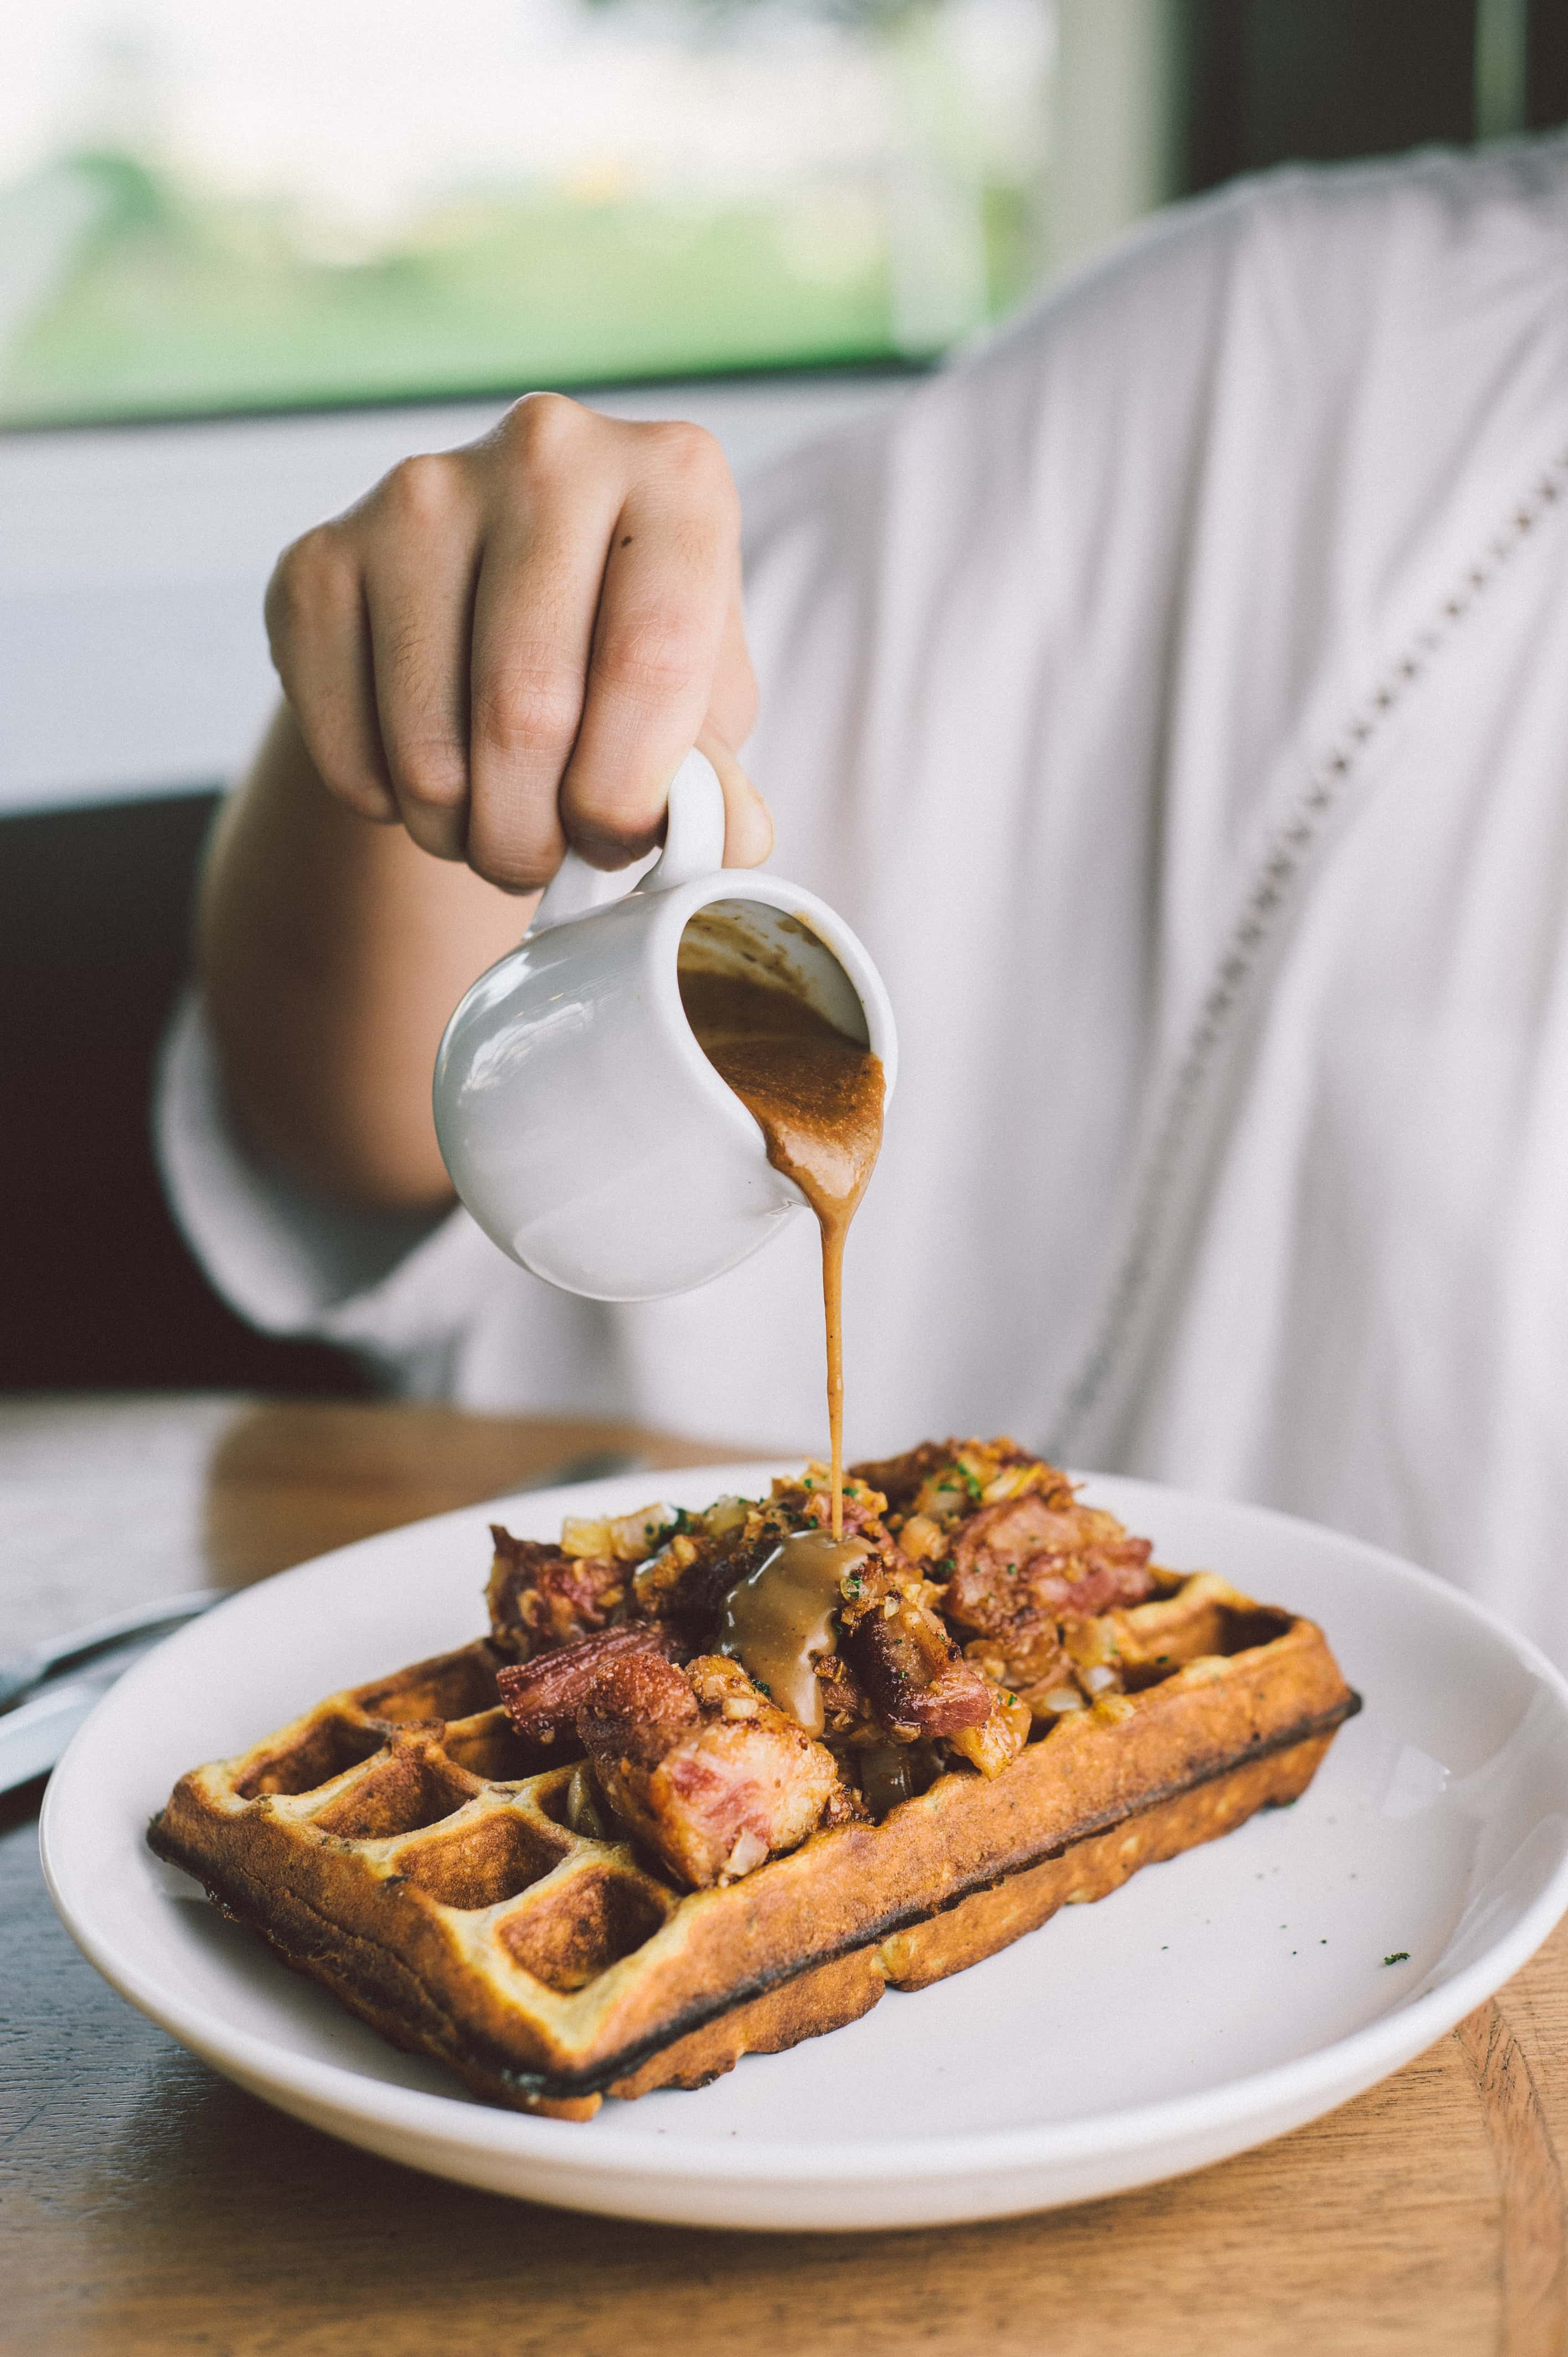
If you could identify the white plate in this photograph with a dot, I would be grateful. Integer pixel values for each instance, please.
(1214, 2002)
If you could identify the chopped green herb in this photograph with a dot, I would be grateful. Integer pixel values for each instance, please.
(852, 1584)
(1400, 1957)
(970, 1484)
(763, 1687)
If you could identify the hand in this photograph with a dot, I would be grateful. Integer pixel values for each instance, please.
(513, 645)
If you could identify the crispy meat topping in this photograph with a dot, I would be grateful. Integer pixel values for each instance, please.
(918, 1681)
(1029, 1561)
(540, 1597)
(706, 1556)
(543, 1696)
(702, 1769)
(942, 1481)
(986, 1600)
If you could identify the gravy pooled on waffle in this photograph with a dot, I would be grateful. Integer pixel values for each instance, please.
(817, 1097)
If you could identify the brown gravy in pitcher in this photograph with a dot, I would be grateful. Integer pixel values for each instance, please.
(817, 1098)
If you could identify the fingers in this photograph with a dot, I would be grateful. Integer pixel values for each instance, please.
(532, 636)
(419, 594)
(663, 607)
(320, 641)
(732, 708)
(515, 644)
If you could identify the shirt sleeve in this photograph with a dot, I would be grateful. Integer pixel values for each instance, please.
(419, 1296)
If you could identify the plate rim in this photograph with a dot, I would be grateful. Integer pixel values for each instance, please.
(1334, 2070)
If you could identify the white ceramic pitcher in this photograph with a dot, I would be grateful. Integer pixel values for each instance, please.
(581, 1123)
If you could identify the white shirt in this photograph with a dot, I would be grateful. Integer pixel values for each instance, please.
(1173, 696)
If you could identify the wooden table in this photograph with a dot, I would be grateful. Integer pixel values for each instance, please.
(147, 2205)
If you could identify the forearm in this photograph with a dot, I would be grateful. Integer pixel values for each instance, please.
(332, 952)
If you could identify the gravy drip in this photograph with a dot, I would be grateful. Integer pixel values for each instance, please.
(817, 1098)
(780, 1619)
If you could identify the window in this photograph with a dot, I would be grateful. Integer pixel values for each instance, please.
(211, 209)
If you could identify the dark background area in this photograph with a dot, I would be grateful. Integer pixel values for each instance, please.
(1272, 81)
(94, 904)
(99, 1290)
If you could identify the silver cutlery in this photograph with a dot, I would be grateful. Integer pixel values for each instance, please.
(46, 1690)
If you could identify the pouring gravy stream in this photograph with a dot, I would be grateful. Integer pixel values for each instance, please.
(817, 1098)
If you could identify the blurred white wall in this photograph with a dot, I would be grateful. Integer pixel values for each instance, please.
(133, 562)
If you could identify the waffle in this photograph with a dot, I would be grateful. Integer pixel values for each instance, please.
(400, 1843)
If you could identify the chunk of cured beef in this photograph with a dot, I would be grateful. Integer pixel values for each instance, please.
(543, 1696)
(702, 1769)
(1031, 1560)
(541, 1597)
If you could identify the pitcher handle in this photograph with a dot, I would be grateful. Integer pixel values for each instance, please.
(693, 846)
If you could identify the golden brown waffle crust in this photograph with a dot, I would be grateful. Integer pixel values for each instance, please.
(381, 1845)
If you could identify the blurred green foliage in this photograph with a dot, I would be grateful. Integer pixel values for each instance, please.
(172, 303)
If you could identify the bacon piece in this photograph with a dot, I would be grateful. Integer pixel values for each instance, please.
(540, 1597)
(685, 1585)
(1031, 1560)
(636, 1709)
(998, 1741)
(702, 1768)
(900, 1479)
(916, 1679)
(944, 1479)
(543, 1696)
(845, 1710)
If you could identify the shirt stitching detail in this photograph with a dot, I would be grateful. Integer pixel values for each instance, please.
(1294, 840)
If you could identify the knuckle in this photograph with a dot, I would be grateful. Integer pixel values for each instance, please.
(693, 452)
(313, 572)
(419, 490)
(528, 707)
(540, 431)
(431, 770)
(347, 781)
(653, 658)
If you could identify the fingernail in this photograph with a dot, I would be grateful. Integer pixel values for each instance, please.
(748, 828)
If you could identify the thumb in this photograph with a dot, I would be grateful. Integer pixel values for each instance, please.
(748, 821)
